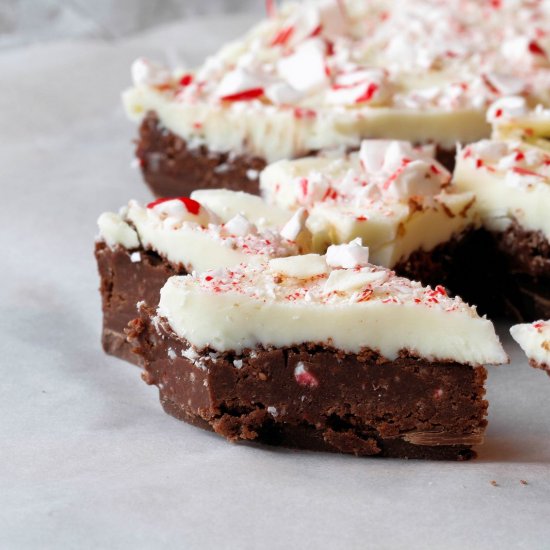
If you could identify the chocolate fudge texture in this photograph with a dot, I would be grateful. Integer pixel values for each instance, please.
(172, 169)
(361, 404)
(126, 278)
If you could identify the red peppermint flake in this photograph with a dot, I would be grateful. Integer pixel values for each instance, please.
(192, 206)
(536, 49)
(304, 186)
(330, 193)
(371, 89)
(489, 84)
(327, 70)
(538, 325)
(317, 31)
(208, 278)
(519, 156)
(417, 300)
(305, 378)
(523, 171)
(441, 290)
(302, 112)
(365, 295)
(496, 4)
(197, 125)
(186, 79)
(283, 36)
(479, 163)
(435, 169)
(361, 218)
(467, 153)
(330, 48)
(245, 95)
(498, 113)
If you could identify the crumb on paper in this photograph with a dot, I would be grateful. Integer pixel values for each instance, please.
(494, 483)
(523, 482)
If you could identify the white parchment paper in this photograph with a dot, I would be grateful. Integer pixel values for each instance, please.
(88, 458)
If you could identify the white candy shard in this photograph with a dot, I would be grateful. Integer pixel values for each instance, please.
(282, 93)
(506, 108)
(507, 84)
(148, 73)
(348, 256)
(299, 267)
(240, 226)
(305, 69)
(295, 225)
(344, 280)
(238, 81)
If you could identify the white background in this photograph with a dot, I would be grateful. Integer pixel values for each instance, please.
(88, 458)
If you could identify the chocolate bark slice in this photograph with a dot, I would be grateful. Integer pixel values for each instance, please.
(141, 247)
(511, 181)
(171, 166)
(307, 355)
(394, 196)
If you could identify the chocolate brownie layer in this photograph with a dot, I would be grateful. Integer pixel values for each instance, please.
(124, 283)
(526, 255)
(507, 274)
(171, 168)
(358, 404)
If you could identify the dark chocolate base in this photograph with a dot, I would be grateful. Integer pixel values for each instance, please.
(172, 169)
(357, 404)
(123, 284)
(506, 275)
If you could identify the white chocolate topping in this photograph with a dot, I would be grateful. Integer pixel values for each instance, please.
(395, 197)
(227, 204)
(511, 181)
(512, 119)
(534, 339)
(329, 72)
(185, 233)
(115, 231)
(292, 301)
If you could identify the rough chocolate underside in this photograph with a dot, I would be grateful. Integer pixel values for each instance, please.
(358, 404)
(124, 283)
(172, 169)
